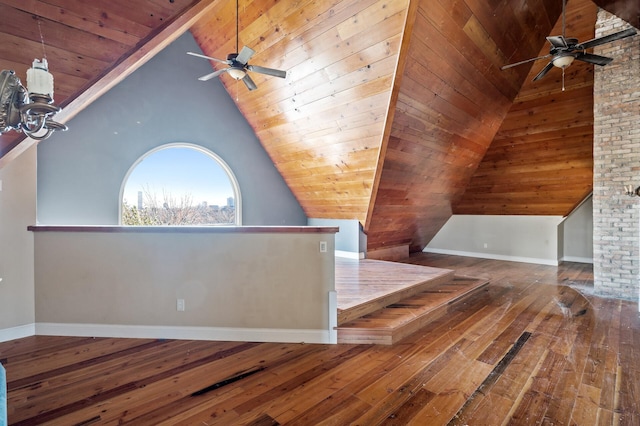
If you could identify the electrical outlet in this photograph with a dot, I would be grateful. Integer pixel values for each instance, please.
(486, 245)
(180, 305)
(323, 246)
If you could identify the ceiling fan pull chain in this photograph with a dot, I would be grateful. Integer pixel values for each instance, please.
(563, 78)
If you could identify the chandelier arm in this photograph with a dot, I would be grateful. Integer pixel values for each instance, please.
(32, 135)
(39, 108)
(54, 125)
(32, 123)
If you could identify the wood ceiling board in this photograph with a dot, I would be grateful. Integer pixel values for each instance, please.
(87, 18)
(569, 150)
(287, 136)
(430, 42)
(24, 26)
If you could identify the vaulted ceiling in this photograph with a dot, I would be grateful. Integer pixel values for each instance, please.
(394, 112)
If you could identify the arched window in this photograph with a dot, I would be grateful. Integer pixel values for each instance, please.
(180, 184)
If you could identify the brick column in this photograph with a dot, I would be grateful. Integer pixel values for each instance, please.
(616, 218)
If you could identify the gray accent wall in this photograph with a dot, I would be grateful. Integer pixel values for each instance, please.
(80, 172)
(578, 233)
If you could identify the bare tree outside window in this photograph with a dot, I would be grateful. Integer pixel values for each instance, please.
(175, 210)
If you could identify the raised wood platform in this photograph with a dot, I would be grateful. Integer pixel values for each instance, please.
(364, 286)
(381, 302)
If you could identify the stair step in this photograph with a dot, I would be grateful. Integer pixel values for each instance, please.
(390, 324)
(426, 278)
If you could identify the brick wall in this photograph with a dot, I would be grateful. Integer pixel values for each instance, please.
(616, 218)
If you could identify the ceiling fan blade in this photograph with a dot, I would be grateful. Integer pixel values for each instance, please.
(524, 62)
(209, 57)
(212, 75)
(544, 71)
(606, 39)
(593, 59)
(558, 41)
(245, 54)
(267, 71)
(249, 83)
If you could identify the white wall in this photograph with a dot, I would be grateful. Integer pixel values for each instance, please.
(578, 234)
(236, 285)
(17, 211)
(532, 239)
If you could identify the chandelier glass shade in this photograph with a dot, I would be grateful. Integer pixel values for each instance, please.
(29, 109)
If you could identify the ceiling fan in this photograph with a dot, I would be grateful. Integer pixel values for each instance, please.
(238, 64)
(564, 50)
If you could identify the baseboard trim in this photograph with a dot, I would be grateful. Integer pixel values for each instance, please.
(18, 332)
(185, 333)
(349, 254)
(577, 259)
(535, 260)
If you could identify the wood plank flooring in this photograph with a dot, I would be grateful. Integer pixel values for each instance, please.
(529, 348)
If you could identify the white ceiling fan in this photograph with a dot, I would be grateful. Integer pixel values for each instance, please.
(238, 64)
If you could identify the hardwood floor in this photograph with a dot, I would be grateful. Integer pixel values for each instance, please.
(527, 349)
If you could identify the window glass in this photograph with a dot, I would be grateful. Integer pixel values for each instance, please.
(180, 184)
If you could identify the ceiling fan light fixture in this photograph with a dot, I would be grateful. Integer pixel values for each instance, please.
(563, 61)
(237, 73)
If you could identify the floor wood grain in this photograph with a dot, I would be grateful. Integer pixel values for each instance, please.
(532, 347)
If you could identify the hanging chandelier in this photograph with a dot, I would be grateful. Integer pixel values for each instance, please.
(29, 110)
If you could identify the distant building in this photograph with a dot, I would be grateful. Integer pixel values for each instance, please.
(230, 202)
(139, 200)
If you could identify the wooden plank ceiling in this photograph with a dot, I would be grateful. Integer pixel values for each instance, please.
(389, 106)
(541, 159)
